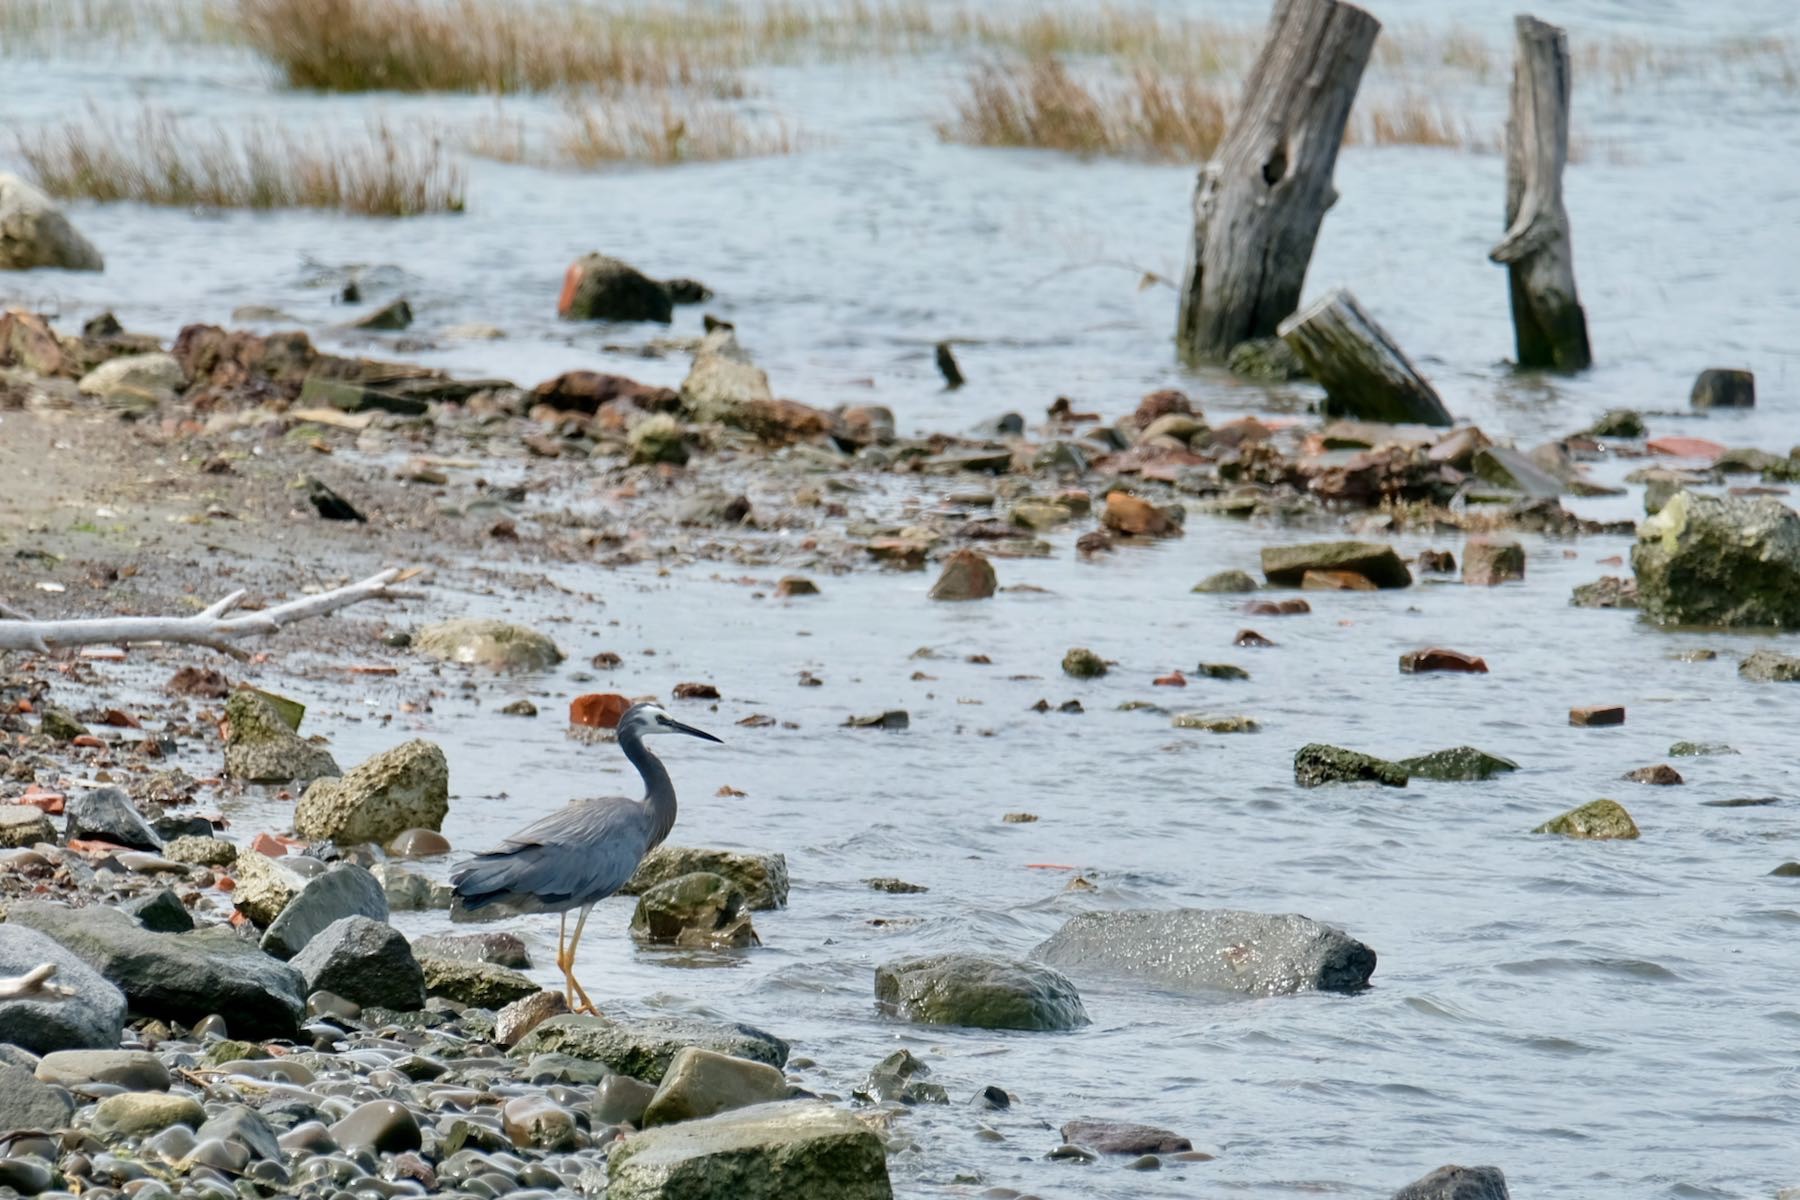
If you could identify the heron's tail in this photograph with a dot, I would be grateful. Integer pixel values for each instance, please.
(485, 879)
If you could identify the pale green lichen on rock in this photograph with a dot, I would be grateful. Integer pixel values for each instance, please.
(488, 643)
(1597, 820)
(262, 748)
(1215, 722)
(1227, 583)
(1699, 749)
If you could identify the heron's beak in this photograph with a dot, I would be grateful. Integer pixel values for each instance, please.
(678, 727)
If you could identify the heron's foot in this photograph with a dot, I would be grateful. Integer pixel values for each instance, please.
(586, 1006)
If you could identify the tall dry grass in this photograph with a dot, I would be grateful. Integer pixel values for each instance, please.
(656, 129)
(31, 26)
(159, 159)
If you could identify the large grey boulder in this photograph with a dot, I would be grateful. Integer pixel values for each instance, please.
(763, 878)
(176, 976)
(644, 1047)
(34, 232)
(1201, 949)
(775, 1151)
(487, 643)
(1719, 560)
(365, 961)
(92, 1018)
(980, 993)
(108, 815)
(1457, 1183)
(262, 748)
(28, 1103)
(407, 787)
(345, 890)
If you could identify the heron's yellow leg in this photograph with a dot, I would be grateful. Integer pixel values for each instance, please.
(587, 1005)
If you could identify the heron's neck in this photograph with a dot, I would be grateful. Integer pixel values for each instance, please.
(659, 791)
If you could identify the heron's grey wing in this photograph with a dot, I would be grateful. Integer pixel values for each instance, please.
(581, 854)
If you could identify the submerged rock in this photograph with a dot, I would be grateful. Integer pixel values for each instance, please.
(643, 1048)
(1267, 359)
(1261, 954)
(1377, 562)
(901, 1077)
(488, 643)
(1766, 666)
(598, 287)
(1317, 764)
(1699, 749)
(1597, 820)
(763, 878)
(1708, 560)
(34, 232)
(700, 1083)
(1608, 591)
(1460, 764)
(1457, 1183)
(1122, 1137)
(177, 976)
(764, 1152)
(1083, 663)
(698, 910)
(980, 993)
(1227, 582)
(407, 787)
(968, 575)
(1487, 563)
(91, 1018)
(262, 748)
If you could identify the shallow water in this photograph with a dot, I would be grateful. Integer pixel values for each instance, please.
(1598, 1019)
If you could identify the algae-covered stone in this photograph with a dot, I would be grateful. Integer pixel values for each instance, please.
(643, 1048)
(980, 993)
(1268, 359)
(1766, 666)
(1228, 583)
(1711, 560)
(1209, 949)
(1461, 763)
(658, 439)
(1457, 1183)
(201, 851)
(763, 878)
(699, 910)
(407, 787)
(1608, 591)
(60, 724)
(261, 748)
(1317, 764)
(1216, 722)
(1597, 820)
(1699, 749)
(483, 985)
(1377, 562)
(135, 379)
(488, 643)
(700, 1083)
(776, 1151)
(1618, 423)
(1083, 663)
(139, 1114)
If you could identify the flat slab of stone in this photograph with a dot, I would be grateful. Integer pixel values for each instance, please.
(1212, 949)
(1123, 1137)
(644, 1047)
(1377, 562)
(779, 1151)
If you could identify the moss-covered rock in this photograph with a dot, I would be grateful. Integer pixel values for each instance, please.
(487, 643)
(1227, 582)
(763, 878)
(260, 747)
(1460, 764)
(980, 993)
(658, 439)
(1618, 423)
(1317, 764)
(482, 985)
(644, 1048)
(1699, 749)
(1711, 560)
(1268, 360)
(407, 787)
(1083, 663)
(1766, 666)
(1597, 820)
(700, 910)
(771, 1151)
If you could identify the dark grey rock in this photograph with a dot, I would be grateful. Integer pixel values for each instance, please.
(176, 976)
(382, 1126)
(365, 961)
(1457, 1183)
(27, 1102)
(93, 1018)
(1123, 1137)
(160, 911)
(245, 1126)
(1723, 387)
(345, 890)
(1317, 764)
(901, 1076)
(602, 288)
(981, 993)
(108, 815)
(1260, 954)
(500, 949)
(1710, 560)
(1460, 763)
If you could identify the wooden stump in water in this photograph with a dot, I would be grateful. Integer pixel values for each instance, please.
(1259, 202)
(1549, 328)
(1363, 372)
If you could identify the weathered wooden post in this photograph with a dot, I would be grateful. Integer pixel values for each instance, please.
(1259, 202)
(1549, 327)
(1363, 371)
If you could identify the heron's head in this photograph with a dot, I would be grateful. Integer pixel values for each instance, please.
(649, 717)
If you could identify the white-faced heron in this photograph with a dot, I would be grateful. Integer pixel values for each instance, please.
(583, 854)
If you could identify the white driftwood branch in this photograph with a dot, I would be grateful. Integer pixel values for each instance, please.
(10, 613)
(210, 627)
(34, 985)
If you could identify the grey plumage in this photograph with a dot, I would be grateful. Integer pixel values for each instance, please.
(575, 858)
